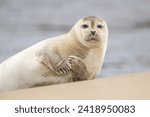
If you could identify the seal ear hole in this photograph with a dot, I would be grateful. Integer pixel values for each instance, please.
(85, 26)
(99, 26)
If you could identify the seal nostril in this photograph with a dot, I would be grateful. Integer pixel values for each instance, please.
(93, 32)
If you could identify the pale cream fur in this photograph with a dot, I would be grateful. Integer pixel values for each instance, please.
(47, 62)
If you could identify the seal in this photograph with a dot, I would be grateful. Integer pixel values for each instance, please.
(74, 56)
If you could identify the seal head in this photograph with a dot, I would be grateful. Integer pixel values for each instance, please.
(91, 31)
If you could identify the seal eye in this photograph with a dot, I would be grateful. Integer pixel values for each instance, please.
(99, 26)
(85, 26)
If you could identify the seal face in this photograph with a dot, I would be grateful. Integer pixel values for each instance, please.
(92, 31)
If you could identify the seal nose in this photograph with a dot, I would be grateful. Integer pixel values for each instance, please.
(93, 32)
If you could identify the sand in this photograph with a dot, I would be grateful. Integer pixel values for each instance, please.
(131, 86)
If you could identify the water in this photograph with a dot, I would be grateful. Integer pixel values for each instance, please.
(25, 22)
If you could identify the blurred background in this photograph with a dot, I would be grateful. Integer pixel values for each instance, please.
(26, 22)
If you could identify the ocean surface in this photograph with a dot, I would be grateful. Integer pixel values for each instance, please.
(26, 22)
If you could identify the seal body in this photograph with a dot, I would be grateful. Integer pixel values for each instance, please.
(77, 55)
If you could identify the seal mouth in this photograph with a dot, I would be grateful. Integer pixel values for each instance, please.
(93, 40)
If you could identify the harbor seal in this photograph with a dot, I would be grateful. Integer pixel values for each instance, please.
(74, 56)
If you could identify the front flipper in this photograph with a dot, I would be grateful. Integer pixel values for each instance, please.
(78, 69)
(63, 67)
(52, 60)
